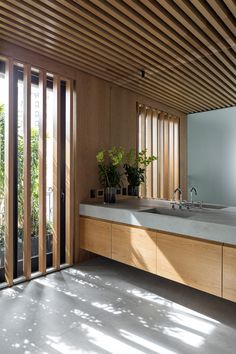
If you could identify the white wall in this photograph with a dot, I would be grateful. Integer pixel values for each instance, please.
(212, 155)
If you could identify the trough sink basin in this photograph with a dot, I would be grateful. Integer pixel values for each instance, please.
(169, 212)
(211, 206)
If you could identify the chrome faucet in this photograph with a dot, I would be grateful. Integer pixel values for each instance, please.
(180, 198)
(180, 194)
(193, 189)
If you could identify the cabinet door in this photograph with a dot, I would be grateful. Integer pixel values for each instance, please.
(95, 236)
(229, 273)
(190, 262)
(134, 246)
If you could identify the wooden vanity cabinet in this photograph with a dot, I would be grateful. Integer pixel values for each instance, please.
(229, 273)
(95, 236)
(134, 246)
(191, 262)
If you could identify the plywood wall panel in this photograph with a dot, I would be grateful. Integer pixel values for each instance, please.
(93, 129)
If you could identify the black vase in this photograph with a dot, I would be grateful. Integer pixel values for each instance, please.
(133, 190)
(110, 195)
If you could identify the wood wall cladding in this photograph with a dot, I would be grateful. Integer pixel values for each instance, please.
(187, 48)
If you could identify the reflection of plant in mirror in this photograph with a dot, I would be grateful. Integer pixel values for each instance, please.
(135, 166)
(108, 165)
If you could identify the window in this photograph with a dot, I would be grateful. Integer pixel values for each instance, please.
(158, 132)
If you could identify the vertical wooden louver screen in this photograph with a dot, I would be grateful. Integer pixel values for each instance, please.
(159, 134)
(39, 80)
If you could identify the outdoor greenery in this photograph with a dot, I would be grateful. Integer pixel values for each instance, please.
(20, 185)
(135, 166)
(109, 163)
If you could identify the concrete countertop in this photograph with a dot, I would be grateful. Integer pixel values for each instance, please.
(213, 225)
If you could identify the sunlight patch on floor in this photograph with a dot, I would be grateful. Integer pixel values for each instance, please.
(191, 322)
(156, 348)
(107, 307)
(108, 343)
(187, 337)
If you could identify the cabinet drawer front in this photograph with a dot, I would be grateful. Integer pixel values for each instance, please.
(134, 246)
(229, 273)
(95, 236)
(190, 262)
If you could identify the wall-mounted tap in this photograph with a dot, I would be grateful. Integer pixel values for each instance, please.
(193, 189)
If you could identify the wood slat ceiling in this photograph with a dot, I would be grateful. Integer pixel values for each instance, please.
(187, 48)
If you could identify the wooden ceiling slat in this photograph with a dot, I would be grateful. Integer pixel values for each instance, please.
(145, 92)
(190, 31)
(158, 79)
(92, 69)
(186, 47)
(94, 63)
(180, 37)
(175, 55)
(231, 4)
(203, 76)
(212, 40)
(195, 78)
(187, 72)
(221, 9)
(172, 83)
(218, 24)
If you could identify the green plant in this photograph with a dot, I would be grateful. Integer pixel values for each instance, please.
(135, 166)
(34, 181)
(108, 166)
(20, 178)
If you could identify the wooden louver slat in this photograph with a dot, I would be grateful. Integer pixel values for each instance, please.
(27, 171)
(9, 136)
(42, 172)
(56, 172)
(69, 173)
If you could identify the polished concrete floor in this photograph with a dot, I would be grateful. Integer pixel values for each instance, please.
(106, 307)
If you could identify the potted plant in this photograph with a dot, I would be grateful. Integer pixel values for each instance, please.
(135, 168)
(109, 174)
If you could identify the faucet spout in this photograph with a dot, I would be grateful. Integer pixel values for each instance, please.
(180, 194)
(193, 189)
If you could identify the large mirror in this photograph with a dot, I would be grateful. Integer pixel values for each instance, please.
(212, 155)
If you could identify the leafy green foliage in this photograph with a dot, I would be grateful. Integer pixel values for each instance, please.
(20, 181)
(135, 166)
(108, 166)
